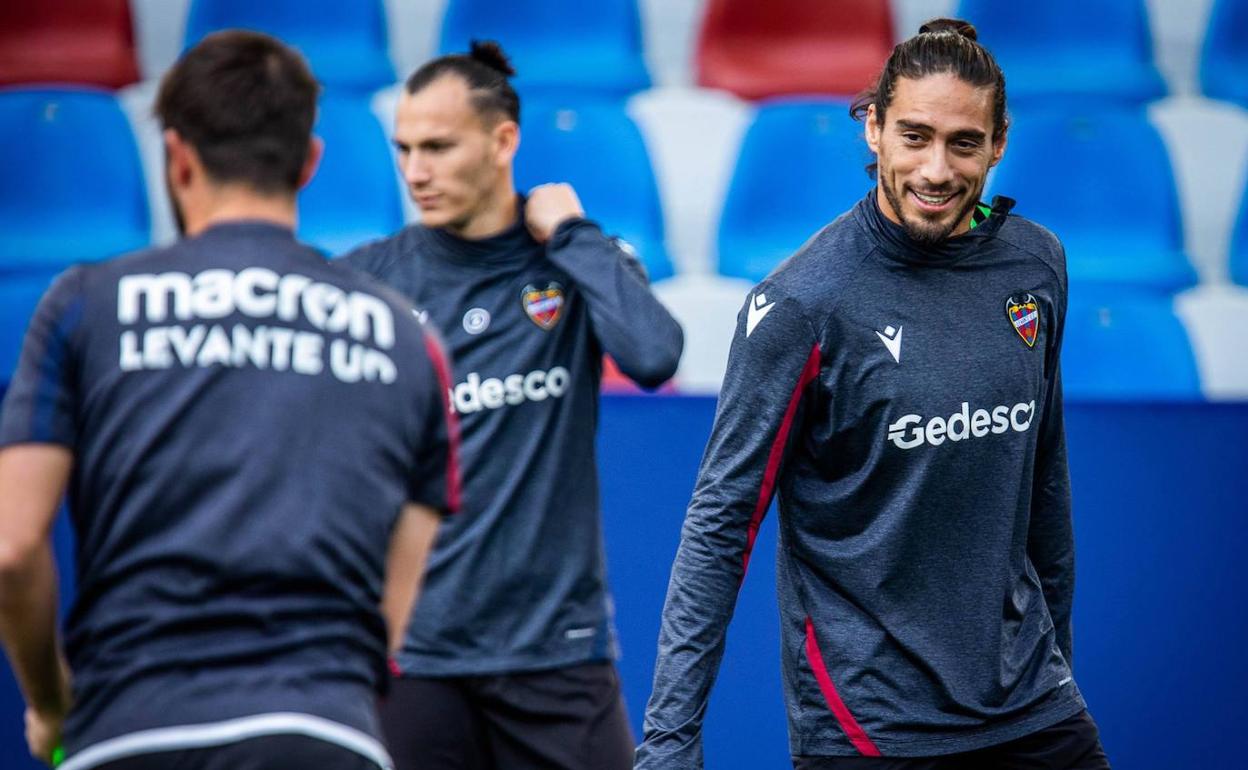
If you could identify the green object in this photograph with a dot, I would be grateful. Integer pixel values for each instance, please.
(58, 755)
(980, 215)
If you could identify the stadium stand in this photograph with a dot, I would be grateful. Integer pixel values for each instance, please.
(596, 147)
(757, 50)
(800, 165)
(1224, 58)
(1070, 49)
(73, 187)
(354, 196)
(347, 46)
(1126, 347)
(67, 41)
(1111, 198)
(569, 45)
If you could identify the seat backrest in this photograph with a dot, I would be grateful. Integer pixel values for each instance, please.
(577, 48)
(598, 149)
(354, 196)
(1239, 242)
(1224, 57)
(801, 165)
(1127, 346)
(1103, 182)
(346, 44)
(781, 47)
(73, 187)
(68, 41)
(1074, 48)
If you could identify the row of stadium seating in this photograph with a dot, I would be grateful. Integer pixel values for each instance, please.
(1070, 49)
(78, 192)
(1121, 222)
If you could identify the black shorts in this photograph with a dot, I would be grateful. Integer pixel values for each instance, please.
(1072, 744)
(562, 719)
(269, 752)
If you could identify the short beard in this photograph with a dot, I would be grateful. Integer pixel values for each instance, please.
(921, 232)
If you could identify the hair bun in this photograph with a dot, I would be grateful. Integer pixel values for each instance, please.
(490, 53)
(958, 26)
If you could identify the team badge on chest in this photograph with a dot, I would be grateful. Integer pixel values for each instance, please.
(1024, 314)
(543, 306)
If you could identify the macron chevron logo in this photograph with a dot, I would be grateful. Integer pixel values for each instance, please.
(758, 310)
(892, 340)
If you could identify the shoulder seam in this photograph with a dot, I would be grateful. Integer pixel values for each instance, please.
(1060, 281)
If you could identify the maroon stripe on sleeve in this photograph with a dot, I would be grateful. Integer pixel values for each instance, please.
(809, 372)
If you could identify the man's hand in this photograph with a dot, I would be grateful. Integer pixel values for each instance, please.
(548, 206)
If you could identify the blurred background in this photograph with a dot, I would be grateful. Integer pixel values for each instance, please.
(713, 135)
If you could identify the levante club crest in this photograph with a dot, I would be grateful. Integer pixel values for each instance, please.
(543, 306)
(1024, 314)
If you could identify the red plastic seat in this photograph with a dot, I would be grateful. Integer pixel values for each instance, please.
(67, 41)
(760, 49)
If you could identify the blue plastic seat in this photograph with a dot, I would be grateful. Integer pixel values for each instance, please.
(354, 196)
(1103, 183)
(1127, 346)
(345, 43)
(801, 165)
(597, 149)
(1224, 59)
(1239, 242)
(1093, 49)
(73, 187)
(569, 45)
(19, 296)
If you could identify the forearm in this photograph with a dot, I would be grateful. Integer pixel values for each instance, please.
(28, 602)
(701, 596)
(628, 320)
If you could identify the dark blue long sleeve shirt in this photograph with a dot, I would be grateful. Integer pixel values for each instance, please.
(518, 580)
(904, 403)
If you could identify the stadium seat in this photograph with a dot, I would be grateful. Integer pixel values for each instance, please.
(73, 187)
(1126, 346)
(67, 41)
(572, 46)
(345, 43)
(1070, 49)
(1239, 242)
(597, 148)
(1224, 59)
(756, 49)
(1104, 184)
(19, 296)
(800, 166)
(354, 196)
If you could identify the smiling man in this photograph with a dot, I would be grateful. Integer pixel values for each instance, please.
(897, 384)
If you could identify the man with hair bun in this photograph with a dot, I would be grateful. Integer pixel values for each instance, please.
(509, 660)
(897, 384)
(257, 452)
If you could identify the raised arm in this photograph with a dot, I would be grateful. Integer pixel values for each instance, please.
(628, 320)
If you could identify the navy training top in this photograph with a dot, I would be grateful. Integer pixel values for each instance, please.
(247, 421)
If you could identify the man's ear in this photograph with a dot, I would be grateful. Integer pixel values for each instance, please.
(873, 129)
(316, 151)
(181, 160)
(998, 148)
(506, 142)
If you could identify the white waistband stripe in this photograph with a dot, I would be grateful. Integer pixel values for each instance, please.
(230, 731)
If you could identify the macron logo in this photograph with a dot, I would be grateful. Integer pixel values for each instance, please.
(758, 310)
(892, 340)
